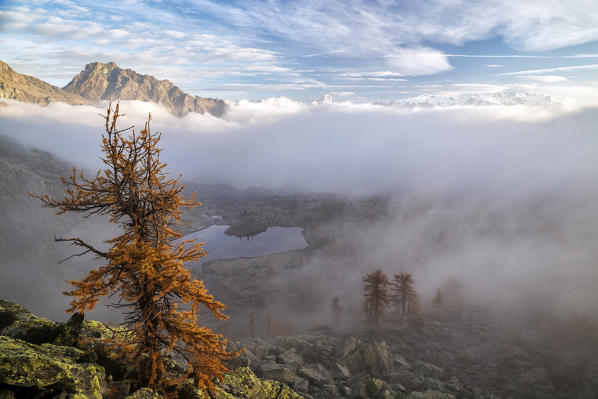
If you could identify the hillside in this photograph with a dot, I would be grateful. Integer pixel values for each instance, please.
(100, 81)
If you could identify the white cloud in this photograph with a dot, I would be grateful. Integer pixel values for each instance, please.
(551, 70)
(376, 74)
(419, 61)
(545, 78)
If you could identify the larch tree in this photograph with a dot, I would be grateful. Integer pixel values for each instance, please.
(375, 292)
(143, 266)
(336, 310)
(403, 293)
(438, 300)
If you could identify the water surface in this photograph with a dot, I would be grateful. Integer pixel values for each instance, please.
(273, 240)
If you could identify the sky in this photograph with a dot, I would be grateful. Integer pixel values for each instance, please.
(358, 51)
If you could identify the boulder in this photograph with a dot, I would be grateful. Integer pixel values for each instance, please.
(272, 370)
(244, 384)
(342, 372)
(373, 358)
(372, 388)
(428, 370)
(70, 331)
(245, 359)
(430, 394)
(301, 384)
(18, 322)
(312, 374)
(291, 357)
(144, 393)
(48, 367)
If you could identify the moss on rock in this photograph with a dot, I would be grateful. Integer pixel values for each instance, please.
(430, 394)
(18, 322)
(243, 384)
(144, 393)
(46, 366)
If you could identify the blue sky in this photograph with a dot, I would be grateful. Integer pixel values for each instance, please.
(362, 51)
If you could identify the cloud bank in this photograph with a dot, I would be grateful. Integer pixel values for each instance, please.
(500, 194)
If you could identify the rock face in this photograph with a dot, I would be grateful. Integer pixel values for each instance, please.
(100, 81)
(16, 86)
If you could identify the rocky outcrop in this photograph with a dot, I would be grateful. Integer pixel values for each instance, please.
(48, 368)
(17, 322)
(25, 88)
(100, 81)
(244, 384)
(71, 361)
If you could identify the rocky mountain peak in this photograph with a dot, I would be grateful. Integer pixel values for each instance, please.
(99, 81)
(16, 86)
(105, 81)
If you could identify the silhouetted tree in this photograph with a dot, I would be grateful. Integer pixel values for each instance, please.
(403, 294)
(438, 300)
(337, 312)
(375, 291)
(143, 266)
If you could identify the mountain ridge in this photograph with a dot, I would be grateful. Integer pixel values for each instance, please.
(99, 81)
(105, 81)
(25, 88)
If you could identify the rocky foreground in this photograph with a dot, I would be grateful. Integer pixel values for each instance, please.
(43, 359)
(447, 356)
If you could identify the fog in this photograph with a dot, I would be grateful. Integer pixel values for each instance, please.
(502, 198)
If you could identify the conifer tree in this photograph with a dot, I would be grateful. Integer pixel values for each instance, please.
(143, 265)
(375, 291)
(403, 294)
(438, 300)
(337, 311)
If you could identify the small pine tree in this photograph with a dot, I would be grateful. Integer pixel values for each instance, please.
(404, 295)
(337, 311)
(143, 266)
(375, 291)
(438, 300)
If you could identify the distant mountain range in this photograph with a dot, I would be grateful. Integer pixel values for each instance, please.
(100, 81)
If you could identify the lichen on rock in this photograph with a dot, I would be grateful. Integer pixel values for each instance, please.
(48, 367)
(18, 322)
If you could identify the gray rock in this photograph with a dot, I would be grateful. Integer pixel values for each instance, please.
(342, 372)
(331, 390)
(401, 362)
(373, 358)
(245, 359)
(372, 388)
(345, 390)
(430, 394)
(534, 376)
(428, 370)
(272, 370)
(312, 374)
(301, 384)
(291, 357)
